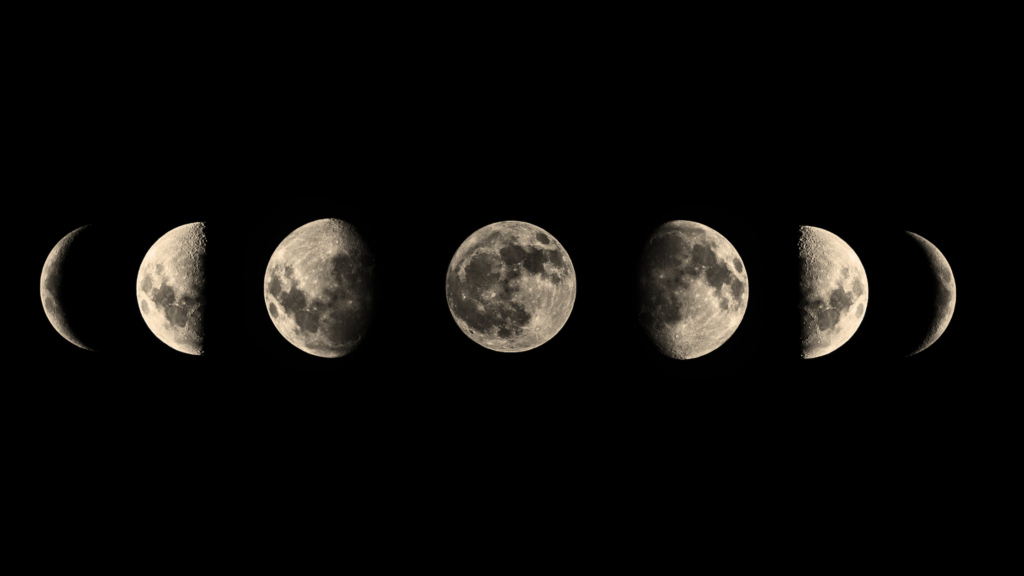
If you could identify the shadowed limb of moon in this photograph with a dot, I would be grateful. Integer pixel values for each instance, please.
(693, 289)
(510, 286)
(833, 291)
(319, 288)
(171, 288)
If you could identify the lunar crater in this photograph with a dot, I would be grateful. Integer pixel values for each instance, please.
(319, 288)
(509, 289)
(691, 301)
(833, 292)
(171, 288)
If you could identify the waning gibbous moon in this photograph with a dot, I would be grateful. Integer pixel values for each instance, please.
(693, 289)
(171, 288)
(510, 286)
(833, 291)
(319, 288)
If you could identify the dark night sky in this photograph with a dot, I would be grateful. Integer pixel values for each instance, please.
(599, 360)
(415, 187)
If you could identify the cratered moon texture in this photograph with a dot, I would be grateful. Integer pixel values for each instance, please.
(833, 291)
(926, 295)
(59, 287)
(692, 287)
(511, 286)
(171, 288)
(319, 288)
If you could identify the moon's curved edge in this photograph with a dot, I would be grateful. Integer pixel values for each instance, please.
(56, 317)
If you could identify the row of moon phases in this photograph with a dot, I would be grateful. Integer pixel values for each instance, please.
(510, 287)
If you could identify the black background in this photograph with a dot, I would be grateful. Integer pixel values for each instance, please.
(417, 359)
(595, 131)
(417, 170)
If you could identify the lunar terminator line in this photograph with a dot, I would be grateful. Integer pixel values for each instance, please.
(171, 288)
(693, 289)
(833, 289)
(58, 290)
(319, 287)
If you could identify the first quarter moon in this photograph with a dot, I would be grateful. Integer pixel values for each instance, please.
(171, 288)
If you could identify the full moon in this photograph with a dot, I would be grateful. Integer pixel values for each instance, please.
(319, 288)
(510, 286)
(171, 288)
(833, 291)
(692, 287)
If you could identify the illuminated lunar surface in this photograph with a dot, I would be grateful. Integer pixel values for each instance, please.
(510, 286)
(833, 292)
(930, 295)
(171, 288)
(693, 289)
(319, 288)
(56, 288)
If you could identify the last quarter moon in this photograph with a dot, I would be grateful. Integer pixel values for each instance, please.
(833, 291)
(692, 289)
(510, 286)
(319, 288)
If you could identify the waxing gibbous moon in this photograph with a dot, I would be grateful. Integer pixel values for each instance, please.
(319, 288)
(693, 289)
(510, 286)
(171, 288)
(833, 291)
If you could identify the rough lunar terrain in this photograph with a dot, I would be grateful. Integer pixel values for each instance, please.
(171, 288)
(693, 289)
(510, 286)
(50, 288)
(319, 288)
(944, 298)
(833, 292)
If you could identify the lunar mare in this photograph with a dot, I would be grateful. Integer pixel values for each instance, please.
(319, 288)
(510, 286)
(833, 292)
(941, 299)
(693, 289)
(171, 288)
(52, 284)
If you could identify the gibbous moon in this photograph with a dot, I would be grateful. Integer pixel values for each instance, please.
(319, 288)
(693, 289)
(510, 286)
(171, 288)
(833, 291)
